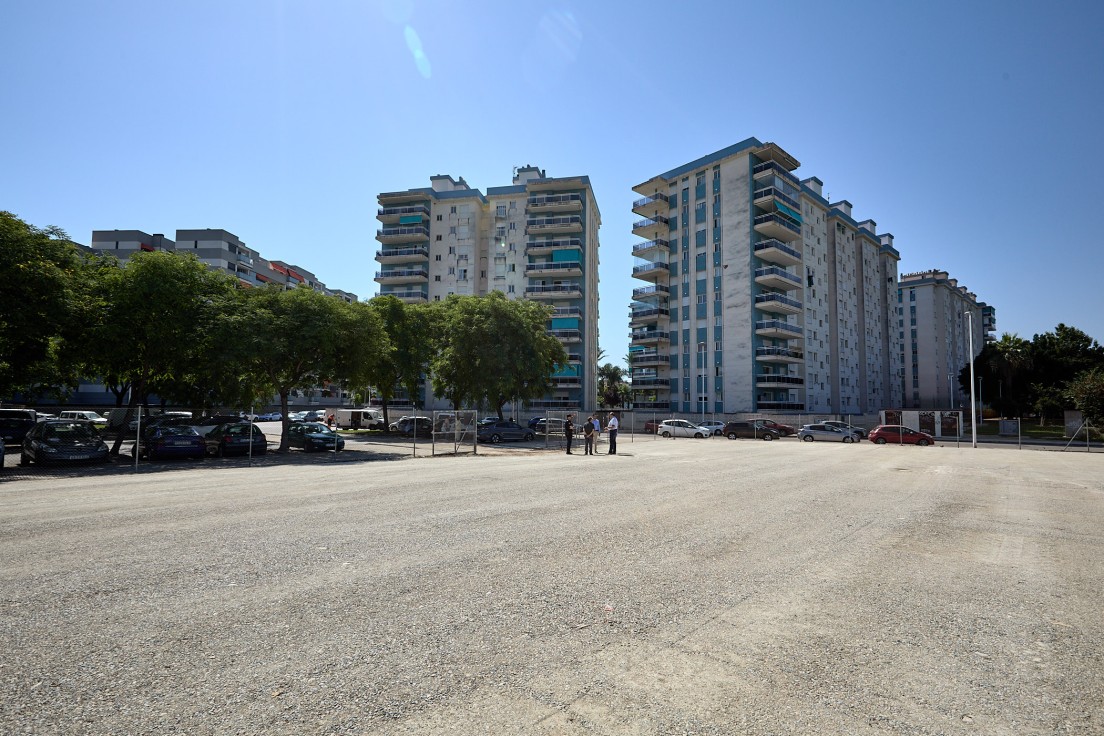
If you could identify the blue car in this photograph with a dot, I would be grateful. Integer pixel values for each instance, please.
(314, 436)
(170, 440)
(233, 439)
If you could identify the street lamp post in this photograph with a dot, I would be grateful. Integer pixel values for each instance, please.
(973, 405)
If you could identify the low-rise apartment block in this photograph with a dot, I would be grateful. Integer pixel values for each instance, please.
(534, 239)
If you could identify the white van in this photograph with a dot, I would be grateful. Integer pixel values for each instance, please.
(359, 419)
(90, 416)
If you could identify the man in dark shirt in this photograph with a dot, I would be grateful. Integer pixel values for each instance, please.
(569, 431)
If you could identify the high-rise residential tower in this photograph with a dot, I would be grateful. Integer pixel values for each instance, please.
(935, 337)
(535, 239)
(761, 295)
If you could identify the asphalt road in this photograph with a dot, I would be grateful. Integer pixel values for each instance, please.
(688, 586)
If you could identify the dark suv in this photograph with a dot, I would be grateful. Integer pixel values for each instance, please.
(754, 429)
(15, 423)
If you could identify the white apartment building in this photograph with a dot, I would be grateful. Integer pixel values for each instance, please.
(762, 295)
(535, 239)
(220, 250)
(935, 337)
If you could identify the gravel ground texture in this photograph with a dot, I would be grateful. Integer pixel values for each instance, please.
(680, 587)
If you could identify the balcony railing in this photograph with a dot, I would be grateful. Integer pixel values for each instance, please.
(571, 335)
(403, 273)
(777, 299)
(649, 335)
(554, 200)
(650, 222)
(554, 289)
(539, 268)
(777, 324)
(779, 272)
(649, 357)
(650, 383)
(653, 313)
(547, 246)
(420, 209)
(774, 217)
(777, 193)
(779, 245)
(652, 405)
(549, 223)
(405, 231)
(657, 266)
(567, 312)
(776, 168)
(406, 294)
(417, 252)
(647, 292)
(781, 352)
(651, 245)
(778, 378)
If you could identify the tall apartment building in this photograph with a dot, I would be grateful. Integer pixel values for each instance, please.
(935, 337)
(762, 295)
(535, 239)
(220, 250)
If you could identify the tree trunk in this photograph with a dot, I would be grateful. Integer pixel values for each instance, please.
(284, 421)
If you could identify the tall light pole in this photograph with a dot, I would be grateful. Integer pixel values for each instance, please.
(973, 406)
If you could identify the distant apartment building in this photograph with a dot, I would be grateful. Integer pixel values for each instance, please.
(760, 295)
(220, 250)
(535, 239)
(935, 337)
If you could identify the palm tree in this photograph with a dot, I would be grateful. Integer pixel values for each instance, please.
(610, 378)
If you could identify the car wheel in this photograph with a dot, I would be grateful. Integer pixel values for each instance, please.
(808, 438)
(768, 437)
(922, 443)
(529, 436)
(848, 439)
(732, 435)
(23, 459)
(495, 439)
(699, 436)
(880, 441)
(666, 434)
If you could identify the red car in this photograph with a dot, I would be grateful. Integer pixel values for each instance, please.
(899, 435)
(783, 429)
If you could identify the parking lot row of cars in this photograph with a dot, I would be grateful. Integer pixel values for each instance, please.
(766, 429)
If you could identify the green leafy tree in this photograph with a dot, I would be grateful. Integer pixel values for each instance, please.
(409, 328)
(364, 346)
(1086, 392)
(41, 273)
(610, 380)
(294, 340)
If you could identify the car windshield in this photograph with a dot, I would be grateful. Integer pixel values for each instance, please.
(315, 428)
(176, 430)
(69, 431)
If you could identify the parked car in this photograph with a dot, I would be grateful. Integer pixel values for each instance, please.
(504, 429)
(752, 429)
(783, 429)
(555, 426)
(717, 427)
(314, 436)
(169, 440)
(898, 434)
(313, 415)
(89, 416)
(860, 432)
(234, 439)
(534, 421)
(651, 426)
(15, 423)
(682, 428)
(54, 441)
(406, 426)
(824, 433)
(150, 418)
(204, 425)
(271, 416)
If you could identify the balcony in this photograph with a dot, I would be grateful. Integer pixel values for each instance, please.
(777, 278)
(651, 228)
(407, 296)
(766, 196)
(777, 225)
(778, 380)
(772, 354)
(656, 293)
(566, 382)
(556, 268)
(648, 337)
(651, 405)
(555, 203)
(403, 234)
(554, 225)
(403, 255)
(648, 314)
(645, 358)
(652, 205)
(558, 312)
(772, 168)
(555, 291)
(402, 276)
(651, 247)
(650, 384)
(567, 336)
(403, 199)
(394, 214)
(574, 359)
(779, 303)
(651, 271)
(547, 247)
(779, 329)
(779, 406)
(775, 251)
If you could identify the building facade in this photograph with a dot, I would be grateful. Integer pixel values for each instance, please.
(220, 250)
(935, 337)
(760, 295)
(534, 239)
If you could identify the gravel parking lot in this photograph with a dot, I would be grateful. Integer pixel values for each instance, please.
(688, 586)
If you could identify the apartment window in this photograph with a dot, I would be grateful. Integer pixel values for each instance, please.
(438, 238)
(436, 278)
(912, 295)
(501, 210)
(438, 218)
(452, 230)
(452, 210)
(452, 249)
(510, 289)
(451, 270)
(513, 226)
(437, 257)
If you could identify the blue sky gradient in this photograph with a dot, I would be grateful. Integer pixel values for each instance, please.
(967, 130)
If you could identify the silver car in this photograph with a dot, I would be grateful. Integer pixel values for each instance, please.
(824, 433)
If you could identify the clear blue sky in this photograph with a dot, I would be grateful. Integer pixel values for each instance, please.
(965, 129)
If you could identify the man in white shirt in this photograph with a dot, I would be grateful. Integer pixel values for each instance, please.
(612, 427)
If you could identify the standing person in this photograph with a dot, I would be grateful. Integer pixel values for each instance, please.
(569, 431)
(588, 436)
(612, 427)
